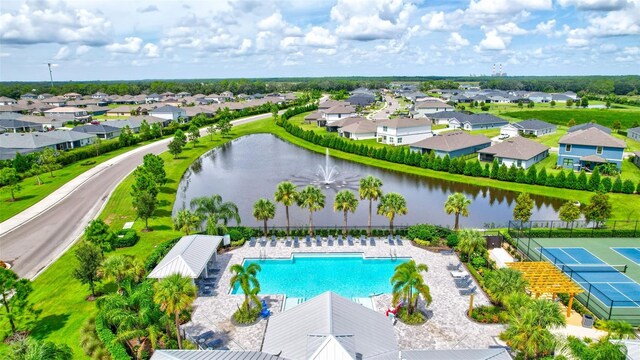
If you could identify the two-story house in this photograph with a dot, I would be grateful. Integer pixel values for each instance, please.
(588, 148)
(402, 131)
(68, 113)
(431, 107)
(169, 112)
(338, 112)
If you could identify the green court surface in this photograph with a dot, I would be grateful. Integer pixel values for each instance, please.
(606, 295)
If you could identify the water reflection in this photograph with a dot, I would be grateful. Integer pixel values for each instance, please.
(249, 168)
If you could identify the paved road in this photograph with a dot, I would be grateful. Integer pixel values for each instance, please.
(387, 110)
(39, 235)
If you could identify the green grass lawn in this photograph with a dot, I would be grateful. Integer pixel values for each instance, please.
(61, 298)
(562, 116)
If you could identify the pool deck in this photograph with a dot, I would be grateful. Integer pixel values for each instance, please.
(447, 328)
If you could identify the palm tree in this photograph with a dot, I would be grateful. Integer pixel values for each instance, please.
(264, 209)
(187, 221)
(175, 294)
(390, 205)
(528, 329)
(345, 201)
(214, 210)
(286, 194)
(313, 199)
(502, 283)
(120, 268)
(408, 285)
(471, 241)
(370, 189)
(248, 282)
(618, 329)
(457, 204)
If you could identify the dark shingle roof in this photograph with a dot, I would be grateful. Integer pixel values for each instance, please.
(587, 126)
(481, 119)
(533, 124)
(95, 129)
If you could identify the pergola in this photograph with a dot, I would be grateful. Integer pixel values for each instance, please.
(544, 278)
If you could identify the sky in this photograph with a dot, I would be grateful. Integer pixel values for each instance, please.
(179, 39)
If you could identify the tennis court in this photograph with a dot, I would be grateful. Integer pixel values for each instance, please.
(631, 253)
(607, 282)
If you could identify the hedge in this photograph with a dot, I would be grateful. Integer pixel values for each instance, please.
(575, 233)
(129, 238)
(159, 253)
(108, 338)
(459, 166)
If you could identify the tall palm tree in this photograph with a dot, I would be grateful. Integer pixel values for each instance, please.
(346, 202)
(175, 294)
(120, 268)
(471, 241)
(247, 279)
(408, 285)
(502, 283)
(264, 209)
(311, 198)
(390, 205)
(286, 194)
(214, 210)
(370, 189)
(457, 204)
(186, 221)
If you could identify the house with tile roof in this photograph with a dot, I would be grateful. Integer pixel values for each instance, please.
(589, 147)
(477, 122)
(403, 131)
(528, 127)
(517, 151)
(359, 130)
(454, 144)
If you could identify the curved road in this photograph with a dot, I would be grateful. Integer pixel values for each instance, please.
(39, 235)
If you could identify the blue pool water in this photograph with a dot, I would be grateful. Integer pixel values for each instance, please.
(309, 275)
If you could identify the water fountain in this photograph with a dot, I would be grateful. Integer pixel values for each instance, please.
(328, 177)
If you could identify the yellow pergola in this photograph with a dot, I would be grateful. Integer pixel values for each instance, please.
(544, 278)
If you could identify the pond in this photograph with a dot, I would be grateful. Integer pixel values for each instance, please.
(249, 168)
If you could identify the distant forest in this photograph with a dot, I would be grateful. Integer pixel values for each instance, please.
(596, 85)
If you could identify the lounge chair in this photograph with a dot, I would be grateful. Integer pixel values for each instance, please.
(263, 241)
(273, 240)
(452, 267)
(296, 241)
(252, 242)
(340, 241)
(308, 240)
(330, 241)
(349, 240)
(459, 274)
(463, 284)
(318, 240)
(467, 291)
(288, 241)
(398, 240)
(214, 344)
(363, 240)
(390, 240)
(446, 252)
(372, 241)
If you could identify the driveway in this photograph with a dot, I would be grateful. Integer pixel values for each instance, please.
(36, 237)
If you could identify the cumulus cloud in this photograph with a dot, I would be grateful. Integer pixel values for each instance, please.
(624, 22)
(276, 22)
(456, 41)
(372, 19)
(131, 45)
(441, 21)
(320, 37)
(595, 5)
(62, 54)
(83, 49)
(511, 28)
(151, 50)
(47, 22)
(493, 41)
(147, 9)
(546, 27)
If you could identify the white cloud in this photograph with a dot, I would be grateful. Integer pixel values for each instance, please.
(607, 48)
(456, 41)
(577, 42)
(131, 45)
(632, 50)
(320, 37)
(62, 54)
(147, 9)
(83, 49)
(151, 50)
(624, 22)
(372, 19)
(546, 28)
(327, 52)
(441, 21)
(596, 5)
(511, 28)
(276, 22)
(492, 42)
(47, 22)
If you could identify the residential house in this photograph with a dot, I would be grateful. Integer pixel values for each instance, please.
(588, 126)
(403, 131)
(528, 127)
(99, 95)
(120, 111)
(44, 96)
(12, 108)
(325, 105)
(517, 151)
(589, 147)
(313, 117)
(151, 98)
(104, 132)
(444, 117)
(338, 112)
(192, 111)
(96, 109)
(169, 112)
(45, 122)
(72, 96)
(134, 122)
(453, 144)
(29, 96)
(361, 99)
(360, 130)
(335, 125)
(24, 143)
(431, 107)
(69, 113)
(183, 94)
(539, 97)
(634, 133)
(18, 126)
(55, 101)
(7, 101)
(227, 96)
(478, 122)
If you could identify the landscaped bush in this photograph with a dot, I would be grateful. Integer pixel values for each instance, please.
(114, 347)
(452, 240)
(575, 233)
(129, 238)
(490, 314)
(422, 232)
(244, 317)
(159, 253)
(416, 318)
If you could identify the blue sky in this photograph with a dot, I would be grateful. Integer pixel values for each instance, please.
(113, 40)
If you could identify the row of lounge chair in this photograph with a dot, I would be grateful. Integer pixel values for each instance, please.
(462, 279)
(330, 241)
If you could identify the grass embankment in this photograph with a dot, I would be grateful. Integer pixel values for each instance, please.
(560, 116)
(61, 298)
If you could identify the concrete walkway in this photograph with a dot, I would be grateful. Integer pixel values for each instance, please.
(36, 237)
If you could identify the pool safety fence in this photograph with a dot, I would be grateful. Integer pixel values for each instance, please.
(599, 303)
(575, 229)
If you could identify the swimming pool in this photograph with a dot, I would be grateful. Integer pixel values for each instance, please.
(308, 275)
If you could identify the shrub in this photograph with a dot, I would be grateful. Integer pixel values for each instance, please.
(235, 235)
(422, 232)
(114, 347)
(421, 242)
(452, 240)
(244, 317)
(489, 314)
(159, 253)
(125, 238)
(414, 319)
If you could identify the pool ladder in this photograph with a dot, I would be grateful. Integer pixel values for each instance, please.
(393, 254)
(263, 254)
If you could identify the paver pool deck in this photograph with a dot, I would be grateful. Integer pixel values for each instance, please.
(447, 328)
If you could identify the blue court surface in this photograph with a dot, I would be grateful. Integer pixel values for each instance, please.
(630, 253)
(607, 283)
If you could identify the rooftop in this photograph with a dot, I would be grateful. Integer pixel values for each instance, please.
(187, 257)
(592, 136)
(452, 141)
(516, 148)
(404, 123)
(532, 124)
